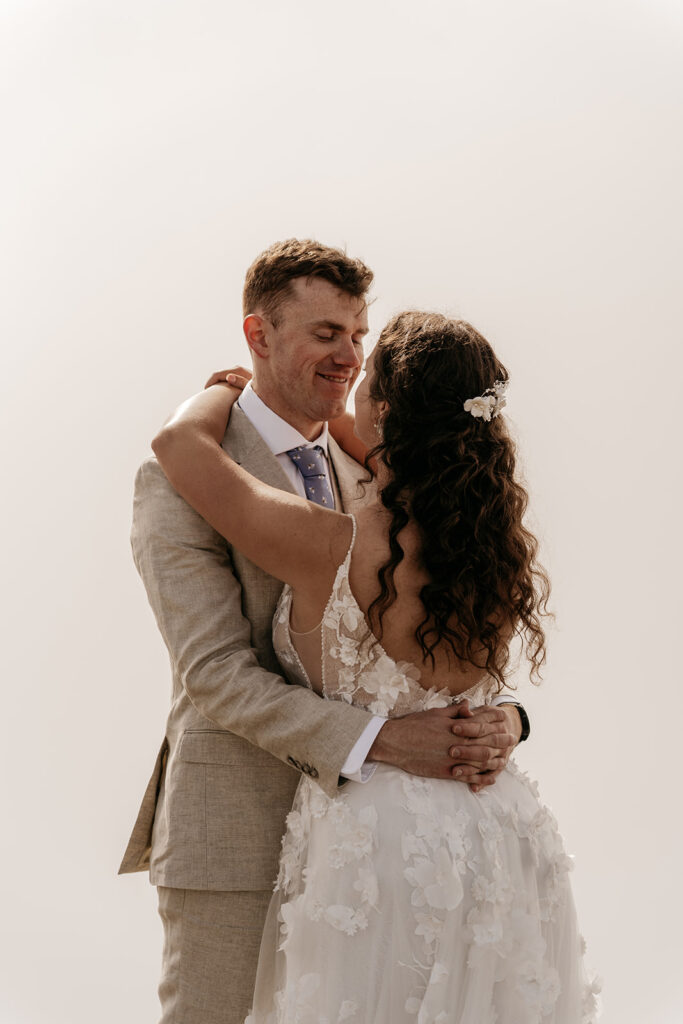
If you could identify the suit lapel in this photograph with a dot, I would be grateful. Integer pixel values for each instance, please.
(350, 479)
(244, 444)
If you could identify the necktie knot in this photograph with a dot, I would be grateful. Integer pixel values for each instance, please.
(311, 464)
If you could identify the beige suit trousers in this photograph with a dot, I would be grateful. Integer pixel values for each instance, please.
(211, 947)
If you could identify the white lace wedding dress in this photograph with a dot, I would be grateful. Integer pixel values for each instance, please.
(414, 901)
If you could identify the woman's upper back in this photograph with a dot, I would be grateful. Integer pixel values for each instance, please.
(370, 550)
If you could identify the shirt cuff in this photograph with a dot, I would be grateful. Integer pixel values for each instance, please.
(355, 767)
(503, 698)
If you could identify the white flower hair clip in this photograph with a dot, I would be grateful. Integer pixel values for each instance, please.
(490, 404)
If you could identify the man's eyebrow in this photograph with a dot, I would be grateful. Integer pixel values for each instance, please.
(332, 326)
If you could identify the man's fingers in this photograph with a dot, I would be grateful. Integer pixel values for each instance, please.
(473, 728)
(478, 751)
(497, 737)
(422, 743)
(486, 714)
(465, 772)
(486, 762)
(475, 777)
(473, 754)
(419, 742)
(490, 716)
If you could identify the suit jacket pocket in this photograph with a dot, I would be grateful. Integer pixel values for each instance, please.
(216, 746)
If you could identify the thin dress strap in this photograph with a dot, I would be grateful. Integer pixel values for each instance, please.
(304, 650)
(344, 566)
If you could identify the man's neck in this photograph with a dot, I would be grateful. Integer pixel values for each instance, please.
(306, 427)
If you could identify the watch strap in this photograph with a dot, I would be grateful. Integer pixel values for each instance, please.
(524, 718)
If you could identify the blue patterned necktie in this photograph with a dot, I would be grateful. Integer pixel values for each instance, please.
(311, 464)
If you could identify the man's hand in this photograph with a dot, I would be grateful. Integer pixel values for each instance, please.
(423, 743)
(239, 377)
(484, 744)
(420, 743)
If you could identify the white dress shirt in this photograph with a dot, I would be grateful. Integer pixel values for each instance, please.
(281, 437)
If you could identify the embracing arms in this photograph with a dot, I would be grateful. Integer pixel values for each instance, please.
(250, 514)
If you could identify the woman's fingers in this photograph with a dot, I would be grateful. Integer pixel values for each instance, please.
(216, 378)
(239, 375)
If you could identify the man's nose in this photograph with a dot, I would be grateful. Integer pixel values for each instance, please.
(346, 353)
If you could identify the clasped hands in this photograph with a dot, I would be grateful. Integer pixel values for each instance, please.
(472, 745)
(484, 739)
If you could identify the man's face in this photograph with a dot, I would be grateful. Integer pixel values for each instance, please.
(313, 355)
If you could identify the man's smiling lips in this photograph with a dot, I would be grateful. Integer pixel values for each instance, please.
(334, 378)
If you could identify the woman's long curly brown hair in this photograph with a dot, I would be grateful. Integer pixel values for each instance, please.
(454, 476)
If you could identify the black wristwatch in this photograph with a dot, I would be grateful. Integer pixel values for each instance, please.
(524, 718)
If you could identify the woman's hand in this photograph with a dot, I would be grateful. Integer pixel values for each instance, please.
(237, 377)
(202, 416)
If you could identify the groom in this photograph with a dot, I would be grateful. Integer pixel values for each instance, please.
(237, 736)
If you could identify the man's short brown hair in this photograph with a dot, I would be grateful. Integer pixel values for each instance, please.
(267, 283)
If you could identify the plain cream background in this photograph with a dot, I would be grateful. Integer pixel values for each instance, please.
(516, 163)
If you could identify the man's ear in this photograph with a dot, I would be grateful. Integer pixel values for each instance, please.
(255, 332)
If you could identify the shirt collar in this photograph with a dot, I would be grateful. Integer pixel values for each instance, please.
(279, 435)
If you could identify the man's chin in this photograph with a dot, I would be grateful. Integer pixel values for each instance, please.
(331, 410)
(335, 411)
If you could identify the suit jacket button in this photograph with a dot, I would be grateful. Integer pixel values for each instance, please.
(294, 762)
(314, 773)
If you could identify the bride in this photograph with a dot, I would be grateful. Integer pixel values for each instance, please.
(405, 900)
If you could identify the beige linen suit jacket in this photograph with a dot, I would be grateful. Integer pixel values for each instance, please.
(237, 736)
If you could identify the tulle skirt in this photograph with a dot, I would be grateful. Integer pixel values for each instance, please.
(415, 901)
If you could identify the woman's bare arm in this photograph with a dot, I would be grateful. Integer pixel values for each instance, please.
(289, 537)
(342, 431)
